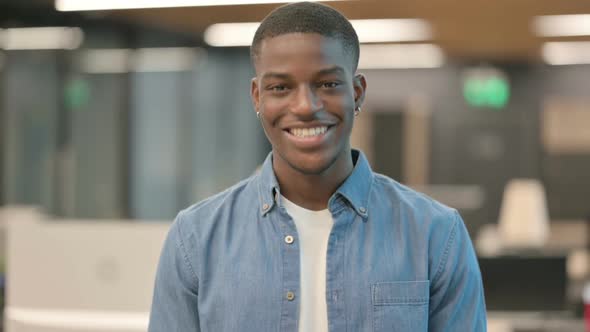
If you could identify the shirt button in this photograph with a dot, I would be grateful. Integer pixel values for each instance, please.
(290, 296)
(265, 206)
(363, 210)
(289, 239)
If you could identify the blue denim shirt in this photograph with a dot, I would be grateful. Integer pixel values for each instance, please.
(396, 261)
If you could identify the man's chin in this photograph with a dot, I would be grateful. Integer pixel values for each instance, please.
(312, 166)
(312, 163)
(312, 170)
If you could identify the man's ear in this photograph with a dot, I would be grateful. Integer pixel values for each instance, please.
(255, 93)
(360, 88)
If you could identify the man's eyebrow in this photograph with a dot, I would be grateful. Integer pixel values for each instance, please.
(332, 70)
(271, 75)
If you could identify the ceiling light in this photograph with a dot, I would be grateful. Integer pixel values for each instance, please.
(169, 59)
(231, 34)
(391, 56)
(119, 61)
(105, 61)
(82, 5)
(41, 38)
(566, 53)
(392, 30)
(368, 31)
(562, 25)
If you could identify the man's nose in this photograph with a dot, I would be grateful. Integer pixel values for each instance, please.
(306, 101)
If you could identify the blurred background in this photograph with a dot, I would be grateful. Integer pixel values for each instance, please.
(114, 115)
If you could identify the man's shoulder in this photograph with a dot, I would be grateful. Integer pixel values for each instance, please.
(427, 218)
(409, 198)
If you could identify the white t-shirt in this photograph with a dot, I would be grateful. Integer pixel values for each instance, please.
(313, 228)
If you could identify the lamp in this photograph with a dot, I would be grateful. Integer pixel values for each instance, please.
(524, 219)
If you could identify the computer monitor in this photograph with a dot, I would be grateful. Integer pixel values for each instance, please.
(524, 282)
(81, 275)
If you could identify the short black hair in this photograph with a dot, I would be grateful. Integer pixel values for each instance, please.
(307, 17)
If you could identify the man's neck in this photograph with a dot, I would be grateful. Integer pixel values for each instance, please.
(312, 191)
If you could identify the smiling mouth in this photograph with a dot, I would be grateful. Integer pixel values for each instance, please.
(308, 132)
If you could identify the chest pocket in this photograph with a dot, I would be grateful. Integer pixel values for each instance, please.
(400, 306)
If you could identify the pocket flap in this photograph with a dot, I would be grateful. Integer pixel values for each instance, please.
(401, 292)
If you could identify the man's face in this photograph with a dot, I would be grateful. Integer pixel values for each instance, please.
(306, 93)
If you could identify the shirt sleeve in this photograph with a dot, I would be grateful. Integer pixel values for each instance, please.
(456, 296)
(174, 303)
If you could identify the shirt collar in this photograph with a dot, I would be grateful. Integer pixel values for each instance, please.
(355, 189)
(268, 186)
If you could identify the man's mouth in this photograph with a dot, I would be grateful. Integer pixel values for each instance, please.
(308, 132)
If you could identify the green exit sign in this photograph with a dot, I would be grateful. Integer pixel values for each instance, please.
(486, 88)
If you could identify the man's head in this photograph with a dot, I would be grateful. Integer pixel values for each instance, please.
(305, 90)
(307, 17)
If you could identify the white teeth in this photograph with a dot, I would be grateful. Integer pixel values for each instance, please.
(308, 132)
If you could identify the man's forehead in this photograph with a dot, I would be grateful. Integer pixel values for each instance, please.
(280, 50)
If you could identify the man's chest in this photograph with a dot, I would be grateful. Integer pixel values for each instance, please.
(374, 281)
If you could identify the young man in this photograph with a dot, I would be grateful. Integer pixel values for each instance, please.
(316, 241)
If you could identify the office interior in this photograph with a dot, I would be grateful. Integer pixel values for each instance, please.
(114, 119)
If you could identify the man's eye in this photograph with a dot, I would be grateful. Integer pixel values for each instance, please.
(278, 88)
(329, 85)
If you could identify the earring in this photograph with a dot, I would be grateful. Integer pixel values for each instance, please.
(357, 111)
(258, 114)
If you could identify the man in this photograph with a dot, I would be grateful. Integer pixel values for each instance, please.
(316, 241)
